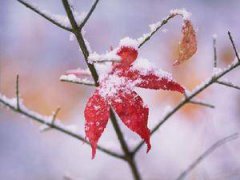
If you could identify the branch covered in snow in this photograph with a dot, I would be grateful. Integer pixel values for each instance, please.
(209, 151)
(108, 57)
(59, 20)
(74, 79)
(156, 26)
(212, 80)
(48, 121)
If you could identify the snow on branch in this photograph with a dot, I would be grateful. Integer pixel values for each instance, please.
(48, 121)
(156, 26)
(59, 20)
(204, 85)
(74, 79)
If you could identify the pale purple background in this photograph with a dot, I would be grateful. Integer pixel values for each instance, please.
(42, 51)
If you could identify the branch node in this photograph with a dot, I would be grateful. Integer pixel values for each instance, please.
(228, 84)
(51, 125)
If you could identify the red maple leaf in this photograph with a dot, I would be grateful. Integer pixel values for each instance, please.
(116, 92)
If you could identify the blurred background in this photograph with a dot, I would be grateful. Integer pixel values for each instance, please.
(40, 52)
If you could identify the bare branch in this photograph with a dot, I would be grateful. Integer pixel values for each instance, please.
(201, 103)
(215, 50)
(10, 103)
(80, 40)
(89, 14)
(44, 15)
(17, 92)
(233, 44)
(228, 84)
(203, 156)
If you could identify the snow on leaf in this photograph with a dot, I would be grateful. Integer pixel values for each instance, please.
(112, 84)
(128, 55)
(128, 42)
(96, 114)
(116, 89)
(133, 113)
(188, 45)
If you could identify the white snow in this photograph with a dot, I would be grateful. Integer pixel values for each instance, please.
(107, 57)
(74, 79)
(185, 14)
(128, 42)
(112, 56)
(45, 120)
(86, 41)
(154, 27)
(10, 101)
(214, 36)
(111, 85)
(71, 37)
(146, 68)
(216, 71)
(79, 72)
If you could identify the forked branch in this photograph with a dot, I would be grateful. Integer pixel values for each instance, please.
(44, 15)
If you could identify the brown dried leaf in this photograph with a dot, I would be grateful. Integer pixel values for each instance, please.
(188, 45)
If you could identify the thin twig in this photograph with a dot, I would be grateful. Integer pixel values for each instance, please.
(17, 92)
(148, 37)
(198, 90)
(234, 46)
(215, 51)
(201, 103)
(228, 84)
(89, 14)
(44, 15)
(55, 114)
(39, 118)
(203, 156)
(53, 120)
